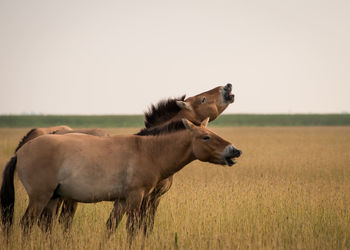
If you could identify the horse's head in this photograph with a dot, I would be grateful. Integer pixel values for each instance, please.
(207, 104)
(209, 147)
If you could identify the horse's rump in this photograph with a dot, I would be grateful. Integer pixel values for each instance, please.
(35, 132)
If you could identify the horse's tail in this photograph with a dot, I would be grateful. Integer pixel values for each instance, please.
(7, 194)
(26, 138)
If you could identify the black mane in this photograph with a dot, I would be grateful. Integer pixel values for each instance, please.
(166, 129)
(162, 112)
(24, 139)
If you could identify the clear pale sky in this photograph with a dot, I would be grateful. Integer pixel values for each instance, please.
(117, 57)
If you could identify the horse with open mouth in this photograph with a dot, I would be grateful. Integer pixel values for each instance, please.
(123, 168)
(207, 104)
(196, 108)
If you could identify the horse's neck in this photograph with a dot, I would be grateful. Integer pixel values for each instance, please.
(176, 117)
(170, 152)
(180, 115)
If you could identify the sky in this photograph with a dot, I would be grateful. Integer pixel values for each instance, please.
(118, 57)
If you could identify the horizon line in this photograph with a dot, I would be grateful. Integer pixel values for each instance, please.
(243, 113)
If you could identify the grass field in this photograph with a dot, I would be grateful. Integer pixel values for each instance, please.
(119, 121)
(289, 190)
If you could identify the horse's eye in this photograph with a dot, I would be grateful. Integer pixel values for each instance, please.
(204, 100)
(205, 138)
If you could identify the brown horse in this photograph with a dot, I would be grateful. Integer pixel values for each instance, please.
(35, 132)
(124, 168)
(210, 103)
(196, 108)
(207, 104)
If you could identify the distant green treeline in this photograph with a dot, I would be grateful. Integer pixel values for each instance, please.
(104, 121)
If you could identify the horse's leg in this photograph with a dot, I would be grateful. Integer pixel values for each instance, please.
(36, 205)
(133, 222)
(152, 204)
(59, 203)
(148, 221)
(48, 213)
(144, 212)
(68, 210)
(116, 216)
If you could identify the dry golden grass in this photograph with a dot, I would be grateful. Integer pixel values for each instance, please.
(289, 190)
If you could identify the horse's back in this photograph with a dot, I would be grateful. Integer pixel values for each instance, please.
(95, 132)
(49, 130)
(51, 152)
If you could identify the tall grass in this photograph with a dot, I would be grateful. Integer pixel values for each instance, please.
(289, 190)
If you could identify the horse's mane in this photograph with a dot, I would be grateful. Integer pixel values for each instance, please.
(25, 139)
(165, 129)
(163, 111)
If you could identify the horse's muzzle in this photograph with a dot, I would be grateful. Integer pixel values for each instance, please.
(228, 96)
(230, 153)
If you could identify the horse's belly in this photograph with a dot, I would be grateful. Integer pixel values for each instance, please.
(88, 194)
(86, 179)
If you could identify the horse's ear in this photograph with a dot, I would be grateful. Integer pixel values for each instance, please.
(204, 123)
(183, 105)
(189, 125)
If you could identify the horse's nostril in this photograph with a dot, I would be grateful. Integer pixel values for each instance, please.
(231, 152)
(237, 153)
(228, 87)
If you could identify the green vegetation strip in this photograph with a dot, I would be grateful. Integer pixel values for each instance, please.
(284, 120)
(105, 121)
(75, 121)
